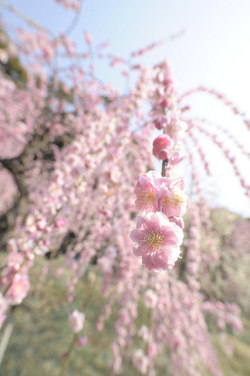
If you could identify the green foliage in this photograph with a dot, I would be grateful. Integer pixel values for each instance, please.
(13, 67)
(15, 70)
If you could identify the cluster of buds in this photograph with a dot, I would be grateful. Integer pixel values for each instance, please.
(159, 230)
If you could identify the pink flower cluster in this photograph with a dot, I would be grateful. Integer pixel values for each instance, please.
(159, 230)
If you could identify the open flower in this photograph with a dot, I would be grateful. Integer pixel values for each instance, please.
(171, 199)
(145, 193)
(158, 241)
(147, 189)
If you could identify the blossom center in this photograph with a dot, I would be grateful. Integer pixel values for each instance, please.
(175, 199)
(147, 197)
(153, 239)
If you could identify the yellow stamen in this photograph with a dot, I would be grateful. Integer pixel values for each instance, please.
(175, 199)
(154, 239)
(146, 197)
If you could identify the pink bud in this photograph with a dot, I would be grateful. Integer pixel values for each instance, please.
(158, 124)
(162, 142)
(165, 103)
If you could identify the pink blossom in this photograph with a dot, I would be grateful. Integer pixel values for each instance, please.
(147, 188)
(158, 241)
(76, 320)
(171, 200)
(162, 146)
(145, 193)
(19, 288)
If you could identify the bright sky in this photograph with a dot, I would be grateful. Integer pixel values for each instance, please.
(214, 51)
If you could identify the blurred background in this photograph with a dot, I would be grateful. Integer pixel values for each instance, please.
(206, 43)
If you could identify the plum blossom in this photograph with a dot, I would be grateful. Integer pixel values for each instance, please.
(76, 320)
(157, 193)
(19, 288)
(171, 199)
(158, 241)
(145, 193)
(162, 146)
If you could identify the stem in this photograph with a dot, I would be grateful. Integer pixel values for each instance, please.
(66, 361)
(13, 10)
(164, 167)
(75, 20)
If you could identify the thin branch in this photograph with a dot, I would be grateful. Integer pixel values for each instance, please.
(75, 20)
(32, 23)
